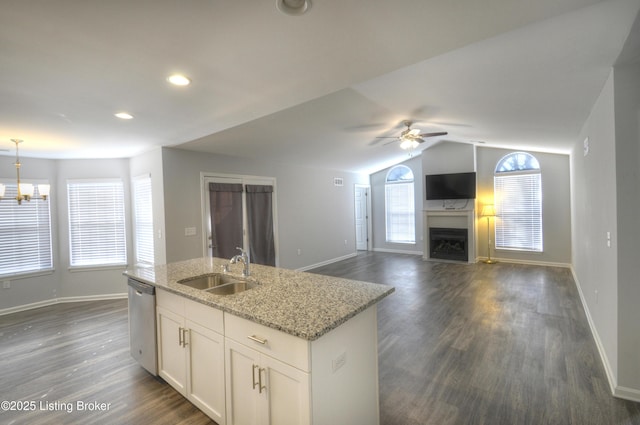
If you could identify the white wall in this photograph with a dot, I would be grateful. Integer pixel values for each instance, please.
(313, 215)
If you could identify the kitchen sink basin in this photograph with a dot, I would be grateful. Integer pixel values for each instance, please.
(232, 288)
(210, 281)
(219, 284)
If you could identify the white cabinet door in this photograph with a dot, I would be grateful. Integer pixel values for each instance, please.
(171, 353)
(288, 393)
(264, 391)
(205, 366)
(244, 401)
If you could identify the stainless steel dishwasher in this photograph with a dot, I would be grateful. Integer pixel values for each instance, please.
(142, 324)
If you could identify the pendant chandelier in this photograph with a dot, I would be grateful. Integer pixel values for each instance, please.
(25, 190)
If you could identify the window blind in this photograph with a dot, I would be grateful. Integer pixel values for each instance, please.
(96, 223)
(519, 211)
(400, 213)
(25, 234)
(143, 218)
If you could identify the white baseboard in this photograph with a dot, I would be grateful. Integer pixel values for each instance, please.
(52, 301)
(527, 262)
(325, 263)
(398, 251)
(616, 390)
(627, 393)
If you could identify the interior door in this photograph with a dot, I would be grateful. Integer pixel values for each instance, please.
(362, 217)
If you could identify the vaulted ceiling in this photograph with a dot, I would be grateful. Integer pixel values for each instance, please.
(317, 89)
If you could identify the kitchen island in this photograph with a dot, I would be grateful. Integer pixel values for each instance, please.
(298, 348)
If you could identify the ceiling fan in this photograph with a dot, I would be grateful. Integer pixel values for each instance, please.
(410, 138)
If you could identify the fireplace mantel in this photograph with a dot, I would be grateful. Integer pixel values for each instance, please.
(459, 219)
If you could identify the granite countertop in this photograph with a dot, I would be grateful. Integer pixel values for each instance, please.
(302, 304)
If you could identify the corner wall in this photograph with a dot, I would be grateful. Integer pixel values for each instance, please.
(605, 201)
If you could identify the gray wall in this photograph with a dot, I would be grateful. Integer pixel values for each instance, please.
(606, 198)
(378, 210)
(150, 163)
(627, 107)
(556, 207)
(63, 283)
(314, 216)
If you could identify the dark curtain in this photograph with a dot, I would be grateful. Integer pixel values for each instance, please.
(226, 218)
(260, 216)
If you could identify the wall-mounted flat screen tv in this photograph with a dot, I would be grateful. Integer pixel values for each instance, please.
(451, 186)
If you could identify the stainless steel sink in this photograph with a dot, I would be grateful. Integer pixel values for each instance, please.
(219, 284)
(209, 281)
(232, 288)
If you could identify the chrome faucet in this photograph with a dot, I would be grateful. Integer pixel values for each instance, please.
(242, 257)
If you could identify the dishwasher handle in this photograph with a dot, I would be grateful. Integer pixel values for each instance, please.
(141, 287)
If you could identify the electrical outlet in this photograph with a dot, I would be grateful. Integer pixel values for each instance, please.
(6, 284)
(299, 251)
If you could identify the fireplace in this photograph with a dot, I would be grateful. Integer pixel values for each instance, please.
(448, 244)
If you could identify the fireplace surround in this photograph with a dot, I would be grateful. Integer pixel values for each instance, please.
(463, 219)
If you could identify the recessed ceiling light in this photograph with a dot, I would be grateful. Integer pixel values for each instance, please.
(293, 7)
(178, 80)
(124, 115)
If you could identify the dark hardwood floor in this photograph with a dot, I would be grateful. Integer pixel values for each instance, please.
(458, 344)
(484, 344)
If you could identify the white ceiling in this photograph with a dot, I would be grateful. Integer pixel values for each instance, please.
(316, 89)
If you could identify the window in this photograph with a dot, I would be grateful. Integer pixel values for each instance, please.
(96, 223)
(400, 205)
(518, 199)
(25, 234)
(143, 219)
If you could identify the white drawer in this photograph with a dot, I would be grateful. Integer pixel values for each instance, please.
(170, 301)
(204, 315)
(287, 348)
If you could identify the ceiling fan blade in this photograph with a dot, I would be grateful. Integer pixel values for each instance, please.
(419, 140)
(387, 137)
(439, 133)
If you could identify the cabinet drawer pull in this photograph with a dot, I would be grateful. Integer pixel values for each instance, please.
(257, 339)
(180, 336)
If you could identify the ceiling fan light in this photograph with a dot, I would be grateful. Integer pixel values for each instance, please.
(293, 7)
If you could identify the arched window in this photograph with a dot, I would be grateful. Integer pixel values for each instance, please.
(400, 205)
(518, 200)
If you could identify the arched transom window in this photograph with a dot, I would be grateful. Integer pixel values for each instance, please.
(400, 205)
(518, 200)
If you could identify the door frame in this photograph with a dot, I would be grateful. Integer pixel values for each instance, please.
(369, 225)
(243, 179)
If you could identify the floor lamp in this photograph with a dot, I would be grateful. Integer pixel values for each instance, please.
(488, 211)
